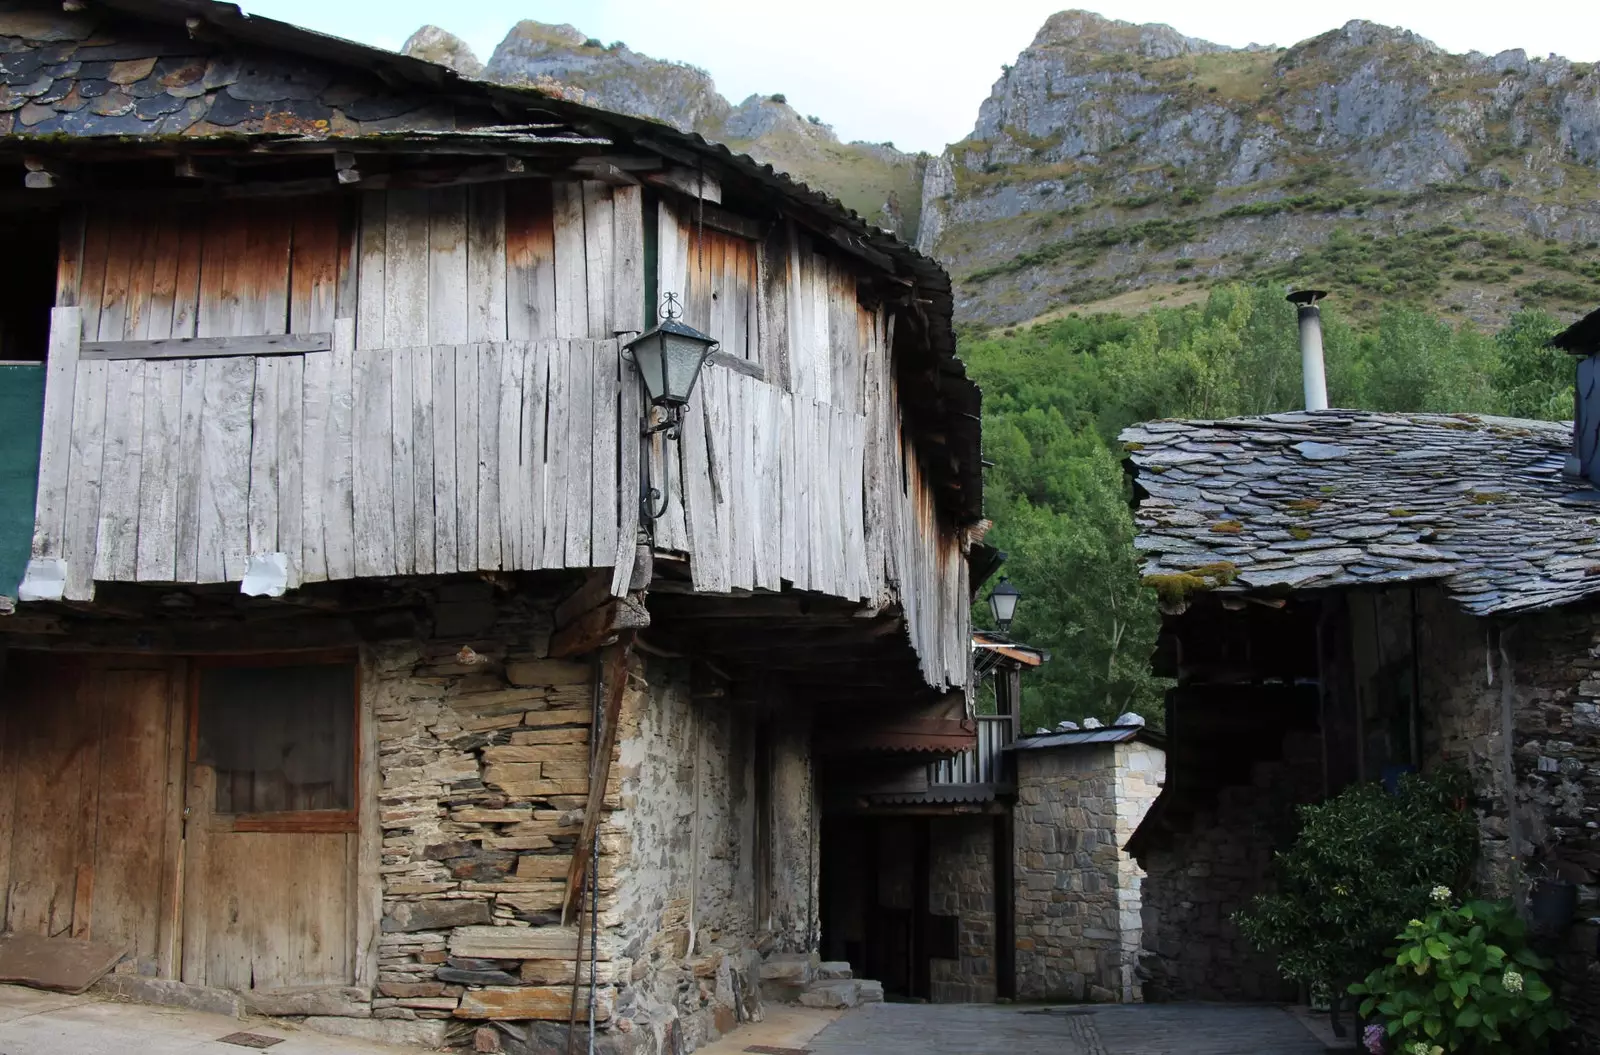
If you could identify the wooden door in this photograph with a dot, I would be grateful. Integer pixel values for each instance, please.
(91, 757)
(272, 823)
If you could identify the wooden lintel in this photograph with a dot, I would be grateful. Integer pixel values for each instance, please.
(594, 592)
(738, 365)
(598, 626)
(208, 347)
(696, 183)
(613, 680)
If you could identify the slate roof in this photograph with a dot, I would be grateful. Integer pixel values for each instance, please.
(1113, 734)
(1334, 499)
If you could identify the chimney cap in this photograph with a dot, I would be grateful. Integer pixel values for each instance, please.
(1306, 296)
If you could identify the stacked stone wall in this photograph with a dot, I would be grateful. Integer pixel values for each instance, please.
(482, 755)
(961, 884)
(1141, 769)
(1194, 884)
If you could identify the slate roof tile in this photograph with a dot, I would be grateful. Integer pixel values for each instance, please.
(1341, 498)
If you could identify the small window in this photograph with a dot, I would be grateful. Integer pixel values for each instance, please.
(281, 742)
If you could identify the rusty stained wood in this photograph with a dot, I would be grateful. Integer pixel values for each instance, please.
(613, 675)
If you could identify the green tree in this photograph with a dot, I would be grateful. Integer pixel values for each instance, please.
(1533, 379)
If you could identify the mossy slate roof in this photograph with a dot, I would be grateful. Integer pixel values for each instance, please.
(1340, 499)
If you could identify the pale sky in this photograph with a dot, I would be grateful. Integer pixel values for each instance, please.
(914, 71)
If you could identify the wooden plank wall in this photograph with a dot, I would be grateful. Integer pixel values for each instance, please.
(355, 462)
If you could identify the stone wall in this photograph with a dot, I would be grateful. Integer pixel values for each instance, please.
(961, 884)
(1141, 769)
(482, 751)
(1195, 883)
(1539, 675)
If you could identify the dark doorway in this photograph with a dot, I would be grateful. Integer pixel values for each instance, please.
(28, 275)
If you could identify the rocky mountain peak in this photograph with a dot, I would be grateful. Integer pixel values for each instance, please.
(1086, 31)
(433, 44)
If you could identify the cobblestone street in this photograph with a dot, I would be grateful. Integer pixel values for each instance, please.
(982, 1029)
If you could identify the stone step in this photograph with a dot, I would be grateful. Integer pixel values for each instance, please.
(841, 992)
(831, 970)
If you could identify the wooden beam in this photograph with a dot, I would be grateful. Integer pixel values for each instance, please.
(595, 591)
(613, 680)
(208, 347)
(598, 627)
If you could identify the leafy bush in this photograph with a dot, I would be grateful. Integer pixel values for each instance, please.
(778, 98)
(1363, 864)
(593, 42)
(1462, 979)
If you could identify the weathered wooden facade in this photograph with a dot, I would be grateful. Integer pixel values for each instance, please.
(341, 625)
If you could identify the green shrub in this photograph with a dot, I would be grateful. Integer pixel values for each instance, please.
(1462, 979)
(1363, 864)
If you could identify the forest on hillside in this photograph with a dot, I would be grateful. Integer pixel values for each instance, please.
(1056, 395)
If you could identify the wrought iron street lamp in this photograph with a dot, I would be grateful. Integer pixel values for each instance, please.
(668, 359)
(1003, 603)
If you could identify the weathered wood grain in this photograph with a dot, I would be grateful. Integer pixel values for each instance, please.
(571, 265)
(603, 454)
(446, 554)
(373, 445)
(209, 347)
(530, 261)
(316, 395)
(410, 301)
(338, 456)
(56, 438)
(467, 425)
(186, 279)
(423, 519)
(486, 262)
(225, 469)
(262, 495)
(314, 266)
(510, 480)
(402, 401)
(576, 457)
(187, 464)
(117, 546)
(599, 242)
(628, 263)
(371, 270)
(446, 267)
(630, 450)
(558, 441)
(531, 516)
(488, 456)
(158, 479)
(92, 281)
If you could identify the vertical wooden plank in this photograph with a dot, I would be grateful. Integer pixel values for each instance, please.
(222, 245)
(738, 492)
(69, 257)
(263, 496)
(141, 275)
(486, 262)
(188, 467)
(447, 268)
(558, 441)
(600, 284)
(347, 256)
(402, 396)
(121, 255)
(224, 535)
(186, 279)
(338, 456)
(736, 296)
(158, 311)
(672, 260)
(769, 453)
(800, 380)
(571, 266)
(627, 270)
(699, 506)
(373, 444)
(819, 339)
(425, 550)
(446, 556)
(117, 548)
(530, 262)
(158, 478)
(630, 414)
(467, 457)
(56, 438)
(507, 471)
(314, 265)
(91, 287)
(316, 396)
(291, 460)
(748, 489)
(719, 427)
(488, 456)
(790, 540)
(578, 465)
(672, 529)
(82, 521)
(409, 297)
(372, 283)
(844, 331)
(270, 238)
(603, 457)
(532, 517)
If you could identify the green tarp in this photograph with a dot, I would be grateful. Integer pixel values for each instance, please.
(21, 417)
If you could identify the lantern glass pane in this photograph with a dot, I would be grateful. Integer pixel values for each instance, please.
(648, 358)
(1003, 603)
(683, 356)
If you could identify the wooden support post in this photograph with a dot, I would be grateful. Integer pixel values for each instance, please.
(613, 679)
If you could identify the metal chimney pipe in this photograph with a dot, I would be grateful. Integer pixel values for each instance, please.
(1312, 373)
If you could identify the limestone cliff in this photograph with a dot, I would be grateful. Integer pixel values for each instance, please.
(1113, 158)
(876, 180)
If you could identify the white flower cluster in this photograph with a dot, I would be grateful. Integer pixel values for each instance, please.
(1440, 894)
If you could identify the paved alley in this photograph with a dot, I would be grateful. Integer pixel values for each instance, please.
(982, 1029)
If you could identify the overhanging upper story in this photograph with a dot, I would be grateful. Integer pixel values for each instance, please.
(313, 305)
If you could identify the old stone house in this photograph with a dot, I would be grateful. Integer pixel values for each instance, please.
(998, 873)
(369, 663)
(1350, 595)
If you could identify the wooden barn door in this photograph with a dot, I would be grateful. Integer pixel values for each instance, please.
(91, 756)
(272, 822)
